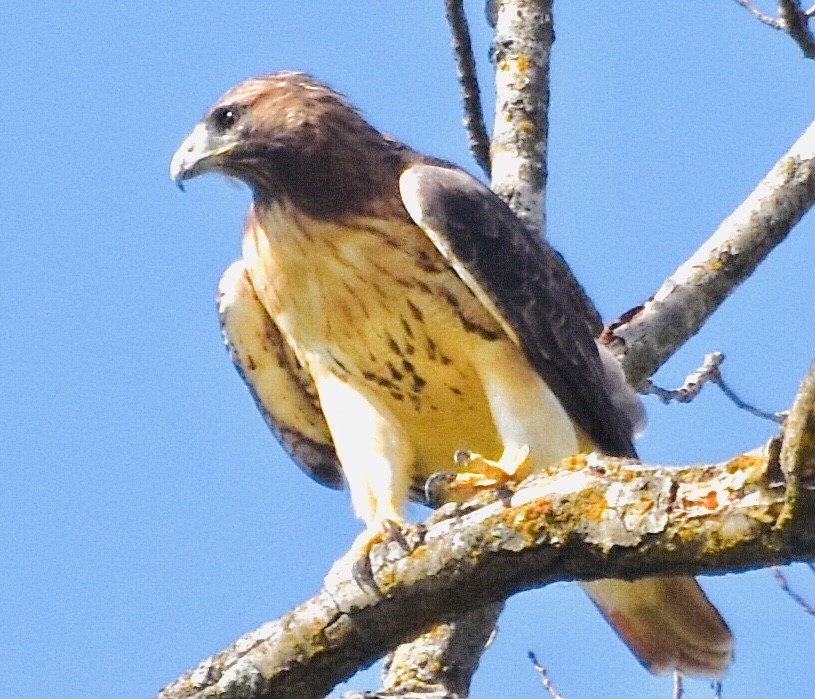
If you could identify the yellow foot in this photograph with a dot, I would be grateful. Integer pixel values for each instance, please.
(476, 473)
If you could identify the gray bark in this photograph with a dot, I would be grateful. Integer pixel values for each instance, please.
(596, 517)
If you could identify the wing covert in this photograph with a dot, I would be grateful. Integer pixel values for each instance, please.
(525, 285)
(283, 391)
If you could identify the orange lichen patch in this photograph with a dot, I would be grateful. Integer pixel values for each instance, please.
(573, 463)
(639, 509)
(699, 499)
(527, 127)
(527, 515)
(594, 506)
(711, 501)
(439, 631)
(522, 62)
(754, 464)
(539, 520)
(541, 506)
(626, 475)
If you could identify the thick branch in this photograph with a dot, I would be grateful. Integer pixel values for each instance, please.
(795, 21)
(595, 518)
(521, 51)
(440, 663)
(646, 336)
(797, 455)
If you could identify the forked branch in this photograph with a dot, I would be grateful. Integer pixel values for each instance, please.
(792, 19)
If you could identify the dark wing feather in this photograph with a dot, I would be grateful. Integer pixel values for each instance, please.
(282, 389)
(523, 281)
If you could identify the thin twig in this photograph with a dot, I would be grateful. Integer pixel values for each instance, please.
(781, 579)
(709, 372)
(753, 410)
(545, 680)
(759, 15)
(478, 139)
(679, 689)
(693, 383)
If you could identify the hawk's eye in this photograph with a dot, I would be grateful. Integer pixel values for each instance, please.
(224, 118)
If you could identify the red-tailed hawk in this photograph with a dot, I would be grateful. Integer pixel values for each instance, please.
(390, 311)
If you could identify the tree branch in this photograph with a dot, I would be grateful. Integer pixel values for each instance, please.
(441, 662)
(522, 47)
(595, 517)
(795, 22)
(781, 579)
(709, 372)
(546, 681)
(520, 52)
(797, 453)
(792, 19)
(759, 15)
(644, 337)
(478, 139)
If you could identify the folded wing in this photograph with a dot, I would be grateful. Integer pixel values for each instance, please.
(523, 282)
(283, 391)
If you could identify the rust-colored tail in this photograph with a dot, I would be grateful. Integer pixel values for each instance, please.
(667, 622)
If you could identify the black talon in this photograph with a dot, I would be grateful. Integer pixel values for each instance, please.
(462, 457)
(504, 494)
(392, 532)
(435, 486)
(363, 573)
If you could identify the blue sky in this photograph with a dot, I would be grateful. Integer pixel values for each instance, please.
(147, 517)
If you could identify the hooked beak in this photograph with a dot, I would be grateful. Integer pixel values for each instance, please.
(200, 152)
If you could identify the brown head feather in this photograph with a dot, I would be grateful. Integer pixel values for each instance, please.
(299, 140)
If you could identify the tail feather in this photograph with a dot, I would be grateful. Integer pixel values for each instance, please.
(667, 622)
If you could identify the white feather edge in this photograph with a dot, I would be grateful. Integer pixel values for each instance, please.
(409, 186)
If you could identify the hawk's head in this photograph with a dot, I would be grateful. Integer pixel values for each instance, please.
(289, 136)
